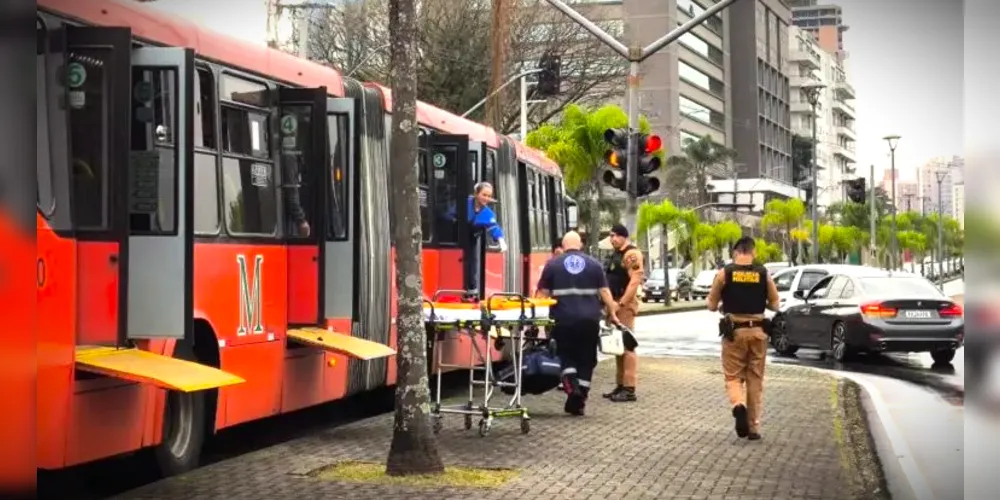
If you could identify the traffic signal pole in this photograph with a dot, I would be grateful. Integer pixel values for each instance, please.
(636, 55)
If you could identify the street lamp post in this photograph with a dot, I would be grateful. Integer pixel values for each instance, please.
(893, 140)
(941, 175)
(812, 95)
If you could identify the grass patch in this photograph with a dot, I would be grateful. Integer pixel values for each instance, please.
(456, 477)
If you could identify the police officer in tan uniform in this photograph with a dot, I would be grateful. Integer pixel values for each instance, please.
(745, 290)
(625, 275)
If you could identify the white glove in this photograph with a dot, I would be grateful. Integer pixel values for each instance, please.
(503, 245)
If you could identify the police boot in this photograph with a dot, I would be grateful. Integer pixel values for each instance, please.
(574, 405)
(611, 395)
(625, 395)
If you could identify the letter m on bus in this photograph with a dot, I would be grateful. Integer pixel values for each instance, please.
(251, 311)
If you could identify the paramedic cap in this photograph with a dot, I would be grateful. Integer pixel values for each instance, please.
(619, 230)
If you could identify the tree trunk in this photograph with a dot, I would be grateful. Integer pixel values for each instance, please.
(414, 448)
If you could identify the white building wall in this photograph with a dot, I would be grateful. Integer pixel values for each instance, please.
(809, 64)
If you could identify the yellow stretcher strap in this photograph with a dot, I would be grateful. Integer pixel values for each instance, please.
(147, 367)
(338, 342)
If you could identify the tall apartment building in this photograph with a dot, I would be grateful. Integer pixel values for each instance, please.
(958, 203)
(953, 170)
(907, 192)
(760, 105)
(810, 64)
(823, 21)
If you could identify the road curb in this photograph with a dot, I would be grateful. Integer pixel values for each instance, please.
(902, 475)
(673, 309)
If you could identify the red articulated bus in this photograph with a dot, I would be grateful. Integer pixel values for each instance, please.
(181, 295)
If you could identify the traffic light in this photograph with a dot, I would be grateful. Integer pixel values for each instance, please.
(549, 79)
(616, 157)
(856, 191)
(649, 145)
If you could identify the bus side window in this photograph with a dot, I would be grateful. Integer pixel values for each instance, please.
(426, 226)
(546, 236)
(250, 202)
(45, 200)
(88, 129)
(532, 207)
(206, 179)
(338, 129)
(447, 197)
(490, 175)
(560, 208)
(153, 160)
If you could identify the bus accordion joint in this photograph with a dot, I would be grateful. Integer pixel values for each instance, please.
(340, 343)
(137, 365)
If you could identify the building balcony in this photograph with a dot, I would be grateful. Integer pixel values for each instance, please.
(844, 90)
(801, 107)
(845, 152)
(804, 58)
(846, 131)
(799, 81)
(844, 107)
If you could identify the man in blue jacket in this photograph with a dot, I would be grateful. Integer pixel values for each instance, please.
(482, 219)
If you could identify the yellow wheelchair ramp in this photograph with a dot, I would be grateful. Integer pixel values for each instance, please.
(136, 365)
(340, 343)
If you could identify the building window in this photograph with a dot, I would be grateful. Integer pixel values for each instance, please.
(701, 113)
(700, 79)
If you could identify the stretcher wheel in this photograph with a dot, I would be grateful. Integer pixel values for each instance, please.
(468, 422)
(525, 426)
(484, 427)
(438, 425)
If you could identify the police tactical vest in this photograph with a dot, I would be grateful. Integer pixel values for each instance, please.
(745, 291)
(615, 270)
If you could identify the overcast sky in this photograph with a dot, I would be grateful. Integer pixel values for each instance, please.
(906, 65)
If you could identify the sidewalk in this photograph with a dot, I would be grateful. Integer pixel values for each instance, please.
(650, 308)
(676, 442)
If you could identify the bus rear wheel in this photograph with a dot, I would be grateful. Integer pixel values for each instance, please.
(183, 428)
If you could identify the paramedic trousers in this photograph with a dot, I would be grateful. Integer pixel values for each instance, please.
(576, 346)
(473, 265)
(625, 365)
(743, 366)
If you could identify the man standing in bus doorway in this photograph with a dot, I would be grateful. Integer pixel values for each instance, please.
(625, 274)
(483, 220)
(745, 290)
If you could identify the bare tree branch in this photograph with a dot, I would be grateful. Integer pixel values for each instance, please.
(455, 46)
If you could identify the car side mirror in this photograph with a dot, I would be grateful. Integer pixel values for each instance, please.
(799, 294)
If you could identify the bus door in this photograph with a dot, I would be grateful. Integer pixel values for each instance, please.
(131, 138)
(303, 154)
(450, 189)
(341, 273)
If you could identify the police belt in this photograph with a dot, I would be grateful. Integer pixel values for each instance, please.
(757, 323)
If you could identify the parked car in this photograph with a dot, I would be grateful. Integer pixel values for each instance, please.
(656, 287)
(802, 278)
(773, 267)
(862, 309)
(702, 284)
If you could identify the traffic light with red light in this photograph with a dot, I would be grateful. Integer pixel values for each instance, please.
(617, 158)
(649, 162)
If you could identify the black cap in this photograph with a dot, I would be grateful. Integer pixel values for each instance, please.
(619, 230)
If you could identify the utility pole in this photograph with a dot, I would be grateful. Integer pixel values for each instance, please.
(909, 198)
(636, 54)
(941, 175)
(872, 215)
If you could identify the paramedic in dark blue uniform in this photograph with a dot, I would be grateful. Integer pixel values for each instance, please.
(578, 284)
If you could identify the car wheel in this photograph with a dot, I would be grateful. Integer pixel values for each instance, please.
(779, 337)
(839, 349)
(645, 299)
(943, 356)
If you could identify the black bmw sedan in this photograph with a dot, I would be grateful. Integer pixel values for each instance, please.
(871, 310)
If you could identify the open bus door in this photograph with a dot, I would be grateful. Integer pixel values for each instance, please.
(138, 105)
(319, 150)
(451, 187)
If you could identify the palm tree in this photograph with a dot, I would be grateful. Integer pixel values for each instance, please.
(726, 234)
(577, 144)
(690, 171)
(785, 216)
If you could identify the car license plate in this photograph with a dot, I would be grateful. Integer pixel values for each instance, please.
(917, 314)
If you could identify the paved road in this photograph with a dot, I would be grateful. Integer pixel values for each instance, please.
(924, 404)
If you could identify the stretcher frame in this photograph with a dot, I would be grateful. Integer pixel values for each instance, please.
(487, 323)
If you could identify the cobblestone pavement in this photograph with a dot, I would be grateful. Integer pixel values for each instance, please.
(676, 442)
